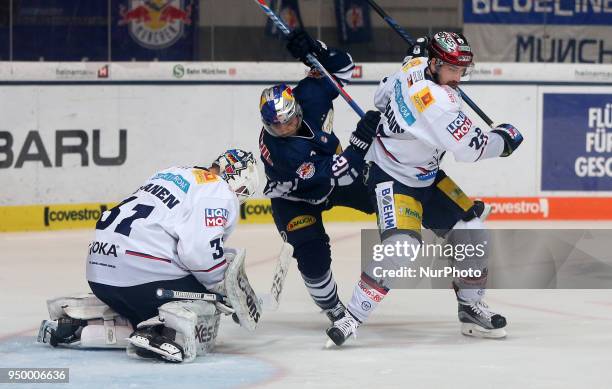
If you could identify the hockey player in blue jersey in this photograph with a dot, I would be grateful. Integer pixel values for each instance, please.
(307, 171)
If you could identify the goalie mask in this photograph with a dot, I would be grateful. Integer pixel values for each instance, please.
(239, 169)
(278, 108)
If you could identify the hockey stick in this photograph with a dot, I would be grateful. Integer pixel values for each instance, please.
(391, 22)
(269, 302)
(311, 58)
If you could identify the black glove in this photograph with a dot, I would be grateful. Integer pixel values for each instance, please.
(362, 137)
(300, 44)
(512, 138)
(419, 48)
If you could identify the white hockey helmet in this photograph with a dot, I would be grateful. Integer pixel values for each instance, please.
(239, 169)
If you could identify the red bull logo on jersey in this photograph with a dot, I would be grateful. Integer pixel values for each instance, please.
(215, 217)
(306, 170)
(155, 24)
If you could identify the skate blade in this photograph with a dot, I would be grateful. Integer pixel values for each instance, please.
(43, 331)
(470, 329)
(143, 343)
(329, 344)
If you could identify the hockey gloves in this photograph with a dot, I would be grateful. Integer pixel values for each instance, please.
(512, 138)
(362, 137)
(300, 44)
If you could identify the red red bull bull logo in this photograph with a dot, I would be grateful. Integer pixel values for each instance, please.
(155, 24)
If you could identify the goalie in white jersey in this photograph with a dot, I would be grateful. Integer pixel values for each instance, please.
(168, 234)
(422, 120)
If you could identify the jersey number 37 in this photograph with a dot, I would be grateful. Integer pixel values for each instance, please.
(125, 225)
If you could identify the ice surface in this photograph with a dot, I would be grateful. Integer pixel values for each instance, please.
(556, 338)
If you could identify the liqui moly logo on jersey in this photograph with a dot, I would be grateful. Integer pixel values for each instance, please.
(460, 126)
(215, 217)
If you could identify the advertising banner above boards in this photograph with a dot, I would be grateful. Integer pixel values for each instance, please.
(259, 211)
(563, 31)
(76, 30)
(577, 142)
(270, 72)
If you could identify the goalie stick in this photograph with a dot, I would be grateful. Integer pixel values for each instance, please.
(270, 302)
(219, 301)
(175, 294)
(280, 273)
(391, 22)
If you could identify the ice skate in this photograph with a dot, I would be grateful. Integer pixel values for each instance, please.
(477, 320)
(158, 340)
(65, 331)
(342, 330)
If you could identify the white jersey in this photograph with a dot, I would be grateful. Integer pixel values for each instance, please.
(421, 121)
(172, 226)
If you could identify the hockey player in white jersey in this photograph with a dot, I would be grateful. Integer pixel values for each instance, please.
(423, 118)
(169, 234)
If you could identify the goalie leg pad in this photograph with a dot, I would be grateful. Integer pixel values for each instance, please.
(240, 293)
(83, 306)
(83, 321)
(196, 324)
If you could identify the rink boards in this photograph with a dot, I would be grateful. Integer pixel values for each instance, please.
(74, 140)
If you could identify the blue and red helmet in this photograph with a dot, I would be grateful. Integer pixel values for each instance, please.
(277, 105)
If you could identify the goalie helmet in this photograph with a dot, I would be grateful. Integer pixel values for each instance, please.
(451, 48)
(278, 106)
(239, 169)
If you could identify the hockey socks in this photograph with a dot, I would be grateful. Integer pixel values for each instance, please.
(323, 290)
(366, 297)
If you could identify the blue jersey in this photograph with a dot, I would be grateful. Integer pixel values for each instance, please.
(308, 165)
